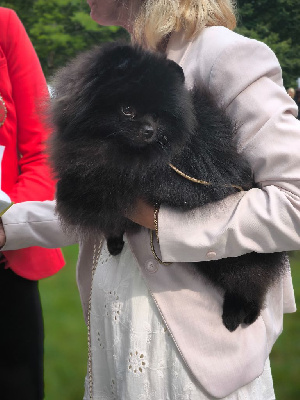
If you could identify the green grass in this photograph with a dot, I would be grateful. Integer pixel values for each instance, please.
(66, 343)
(285, 356)
(65, 333)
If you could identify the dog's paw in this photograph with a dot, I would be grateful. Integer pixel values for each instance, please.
(252, 313)
(237, 310)
(115, 245)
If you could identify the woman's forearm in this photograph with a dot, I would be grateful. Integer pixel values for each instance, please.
(34, 223)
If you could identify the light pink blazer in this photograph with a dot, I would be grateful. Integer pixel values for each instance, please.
(246, 78)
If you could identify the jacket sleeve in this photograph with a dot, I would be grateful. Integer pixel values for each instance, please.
(34, 223)
(30, 93)
(246, 78)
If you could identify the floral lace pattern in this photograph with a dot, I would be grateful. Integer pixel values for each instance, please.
(133, 354)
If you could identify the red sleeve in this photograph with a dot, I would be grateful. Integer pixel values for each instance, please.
(29, 91)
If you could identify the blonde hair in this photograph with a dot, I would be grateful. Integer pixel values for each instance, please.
(158, 18)
(291, 92)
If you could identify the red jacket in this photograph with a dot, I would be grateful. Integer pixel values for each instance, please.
(25, 174)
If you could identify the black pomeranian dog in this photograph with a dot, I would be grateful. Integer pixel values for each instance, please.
(122, 117)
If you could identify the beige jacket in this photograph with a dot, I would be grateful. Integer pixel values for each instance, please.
(246, 78)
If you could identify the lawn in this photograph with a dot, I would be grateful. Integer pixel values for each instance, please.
(65, 333)
(66, 344)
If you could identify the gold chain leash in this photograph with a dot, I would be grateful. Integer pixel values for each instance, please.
(154, 252)
(199, 181)
(156, 209)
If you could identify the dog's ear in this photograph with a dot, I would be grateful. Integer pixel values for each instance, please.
(177, 68)
(123, 59)
(117, 59)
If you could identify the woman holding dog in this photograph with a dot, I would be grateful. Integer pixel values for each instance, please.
(156, 332)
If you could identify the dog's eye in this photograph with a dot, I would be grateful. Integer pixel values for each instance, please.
(128, 111)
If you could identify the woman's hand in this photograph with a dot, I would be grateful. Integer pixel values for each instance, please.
(143, 214)
(2, 234)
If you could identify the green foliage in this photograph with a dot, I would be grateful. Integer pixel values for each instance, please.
(276, 23)
(59, 29)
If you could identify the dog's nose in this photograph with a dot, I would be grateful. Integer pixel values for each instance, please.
(148, 131)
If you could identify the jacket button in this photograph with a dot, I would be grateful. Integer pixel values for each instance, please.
(151, 266)
(211, 255)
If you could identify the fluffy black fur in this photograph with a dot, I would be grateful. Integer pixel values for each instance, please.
(121, 115)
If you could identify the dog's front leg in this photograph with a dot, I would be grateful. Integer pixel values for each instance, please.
(115, 244)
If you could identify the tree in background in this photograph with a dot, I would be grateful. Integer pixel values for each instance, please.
(60, 29)
(276, 23)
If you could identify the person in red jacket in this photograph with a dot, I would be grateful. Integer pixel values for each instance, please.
(25, 176)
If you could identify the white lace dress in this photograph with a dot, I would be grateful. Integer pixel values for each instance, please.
(133, 355)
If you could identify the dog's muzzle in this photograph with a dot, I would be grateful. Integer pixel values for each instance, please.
(147, 132)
